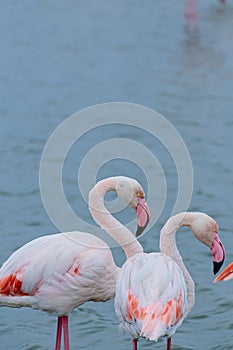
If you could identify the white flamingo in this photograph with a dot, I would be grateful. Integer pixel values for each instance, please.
(155, 292)
(59, 272)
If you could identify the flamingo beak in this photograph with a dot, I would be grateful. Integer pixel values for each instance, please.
(217, 266)
(226, 274)
(143, 215)
(218, 254)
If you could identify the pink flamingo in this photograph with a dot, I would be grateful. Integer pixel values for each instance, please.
(59, 272)
(155, 292)
(226, 274)
(191, 14)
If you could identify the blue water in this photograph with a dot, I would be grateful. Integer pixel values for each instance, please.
(58, 57)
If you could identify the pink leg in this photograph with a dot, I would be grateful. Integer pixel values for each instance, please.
(66, 333)
(59, 332)
(169, 343)
(190, 13)
(135, 343)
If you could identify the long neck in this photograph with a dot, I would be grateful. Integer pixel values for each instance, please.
(105, 220)
(168, 247)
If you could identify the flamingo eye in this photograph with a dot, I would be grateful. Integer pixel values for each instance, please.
(139, 194)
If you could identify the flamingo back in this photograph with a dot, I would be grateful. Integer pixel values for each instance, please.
(56, 273)
(151, 296)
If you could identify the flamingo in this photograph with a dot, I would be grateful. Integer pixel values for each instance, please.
(59, 272)
(226, 274)
(191, 14)
(155, 292)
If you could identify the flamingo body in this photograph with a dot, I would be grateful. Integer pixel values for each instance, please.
(155, 292)
(191, 13)
(151, 296)
(57, 273)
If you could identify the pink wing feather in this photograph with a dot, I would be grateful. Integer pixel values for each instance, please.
(151, 296)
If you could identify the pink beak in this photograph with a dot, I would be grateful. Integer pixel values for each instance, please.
(143, 215)
(218, 253)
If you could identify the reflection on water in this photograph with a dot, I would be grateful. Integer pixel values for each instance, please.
(58, 58)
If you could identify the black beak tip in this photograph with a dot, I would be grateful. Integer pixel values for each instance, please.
(217, 266)
(139, 231)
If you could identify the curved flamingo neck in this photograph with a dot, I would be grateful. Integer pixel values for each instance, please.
(105, 220)
(168, 247)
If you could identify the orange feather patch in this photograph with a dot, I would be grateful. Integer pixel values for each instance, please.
(132, 309)
(172, 311)
(10, 285)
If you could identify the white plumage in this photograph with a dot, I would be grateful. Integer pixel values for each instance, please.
(60, 272)
(151, 296)
(155, 292)
(57, 273)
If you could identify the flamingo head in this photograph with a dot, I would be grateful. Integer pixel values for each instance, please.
(131, 192)
(205, 229)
